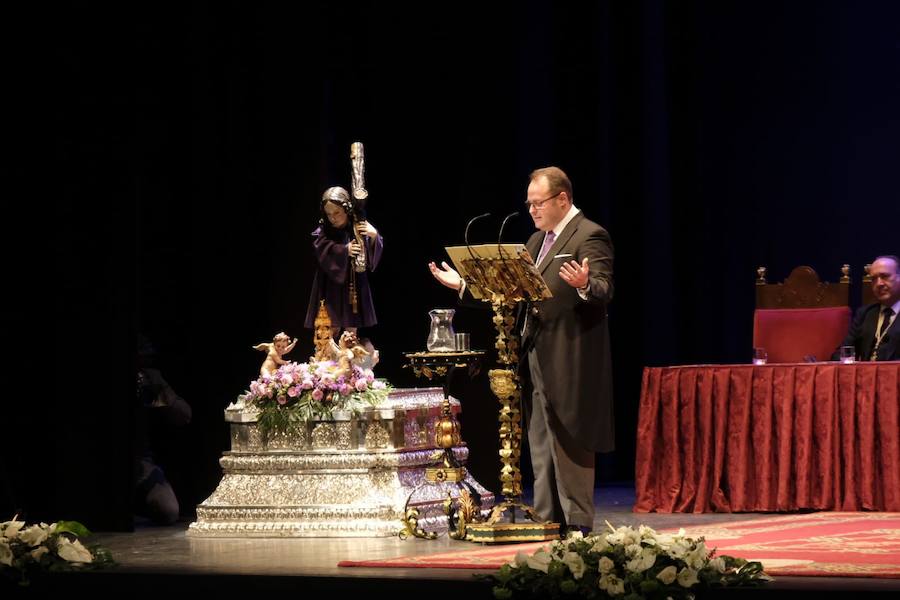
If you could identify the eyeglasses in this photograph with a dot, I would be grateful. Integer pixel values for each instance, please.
(540, 203)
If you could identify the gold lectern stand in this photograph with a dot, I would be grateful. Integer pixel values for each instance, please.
(505, 275)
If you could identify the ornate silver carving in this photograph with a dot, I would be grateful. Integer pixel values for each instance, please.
(347, 478)
(376, 435)
(344, 433)
(323, 436)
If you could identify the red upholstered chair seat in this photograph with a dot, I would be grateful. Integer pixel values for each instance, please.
(789, 334)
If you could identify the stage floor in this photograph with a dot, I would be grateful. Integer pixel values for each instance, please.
(166, 554)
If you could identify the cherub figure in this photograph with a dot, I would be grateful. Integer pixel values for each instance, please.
(281, 344)
(350, 352)
(371, 359)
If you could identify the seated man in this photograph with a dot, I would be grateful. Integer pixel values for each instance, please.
(874, 332)
(158, 410)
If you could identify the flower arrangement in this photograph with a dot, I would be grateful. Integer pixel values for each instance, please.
(626, 563)
(42, 547)
(297, 392)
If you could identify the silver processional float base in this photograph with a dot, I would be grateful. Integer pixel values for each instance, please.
(346, 477)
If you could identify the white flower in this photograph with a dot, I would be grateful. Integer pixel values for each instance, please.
(605, 564)
(668, 574)
(600, 544)
(6, 555)
(33, 535)
(611, 584)
(625, 536)
(575, 563)
(73, 551)
(718, 564)
(642, 562)
(678, 550)
(664, 539)
(687, 577)
(38, 552)
(540, 560)
(647, 533)
(11, 528)
(697, 557)
(520, 560)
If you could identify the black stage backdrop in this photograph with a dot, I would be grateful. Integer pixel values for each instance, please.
(190, 146)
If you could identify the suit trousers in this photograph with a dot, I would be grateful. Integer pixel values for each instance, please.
(563, 470)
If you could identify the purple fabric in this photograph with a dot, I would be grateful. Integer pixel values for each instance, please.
(548, 243)
(332, 280)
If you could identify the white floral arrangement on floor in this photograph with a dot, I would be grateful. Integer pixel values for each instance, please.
(26, 550)
(627, 564)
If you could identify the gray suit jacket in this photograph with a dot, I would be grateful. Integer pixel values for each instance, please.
(571, 336)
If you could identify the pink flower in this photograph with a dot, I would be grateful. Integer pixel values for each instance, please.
(361, 385)
(282, 399)
(293, 391)
(317, 395)
(344, 389)
(306, 384)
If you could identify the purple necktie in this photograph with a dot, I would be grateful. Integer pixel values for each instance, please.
(548, 242)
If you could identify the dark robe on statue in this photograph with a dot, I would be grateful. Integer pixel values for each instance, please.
(332, 280)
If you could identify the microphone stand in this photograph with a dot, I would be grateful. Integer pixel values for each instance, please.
(502, 227)
(466, 235)
(475, 260)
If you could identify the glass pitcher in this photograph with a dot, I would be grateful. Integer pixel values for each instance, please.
(441, 337)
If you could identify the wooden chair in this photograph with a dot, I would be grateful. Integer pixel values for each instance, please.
(802, 317)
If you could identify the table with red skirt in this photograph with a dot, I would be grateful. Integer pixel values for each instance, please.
(769, 438)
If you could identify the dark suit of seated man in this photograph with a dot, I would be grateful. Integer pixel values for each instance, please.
(875, 332)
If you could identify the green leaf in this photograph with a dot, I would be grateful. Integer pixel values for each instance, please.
(502, 593)
(73, 527)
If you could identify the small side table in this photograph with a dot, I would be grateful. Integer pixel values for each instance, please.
(442, 366)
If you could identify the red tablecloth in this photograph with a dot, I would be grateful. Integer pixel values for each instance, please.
(733, 438)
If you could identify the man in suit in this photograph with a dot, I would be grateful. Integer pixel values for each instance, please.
(874, 331)
(566, 368)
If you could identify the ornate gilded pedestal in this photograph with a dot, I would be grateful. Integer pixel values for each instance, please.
(466, 506)
(348, 477)
(504, 523)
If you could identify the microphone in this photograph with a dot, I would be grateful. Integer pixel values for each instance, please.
(466, 235)
(502, 227)
(466, 238)
(472, 220)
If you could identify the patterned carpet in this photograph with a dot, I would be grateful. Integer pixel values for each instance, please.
(832, 544)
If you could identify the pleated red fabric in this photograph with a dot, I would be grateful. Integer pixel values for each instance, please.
(787, 437)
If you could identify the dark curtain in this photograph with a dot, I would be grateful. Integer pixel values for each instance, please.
(190, 146)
